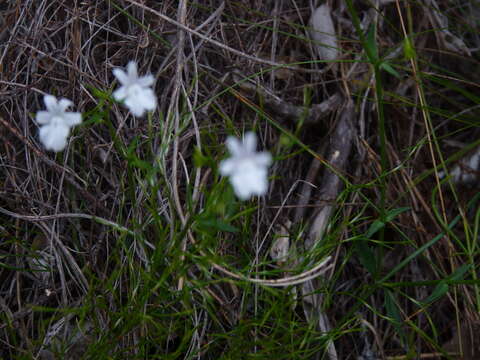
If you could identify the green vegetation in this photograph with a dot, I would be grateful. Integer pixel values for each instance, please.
(129, 244)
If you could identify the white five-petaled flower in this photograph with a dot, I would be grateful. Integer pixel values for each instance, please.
(134, 90)
(56, 122)
(246, 168)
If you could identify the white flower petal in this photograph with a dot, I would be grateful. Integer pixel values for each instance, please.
(50, 102)
(146, 80)
(72, 119)
(250, 142)
(234, 146)
(147, 99)
(63, 104)
(121, 76)
(54, 137)
(261, 185)
(132, 70)
(57, 121)
(135, 106)
(227, 167)
(241, 189)
(121, 93)
(242, 193)
(263, 158)
(43, 117)
(247, 184)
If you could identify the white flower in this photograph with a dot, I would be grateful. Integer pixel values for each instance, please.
(56, 122)
(247, 168)
(135, 90)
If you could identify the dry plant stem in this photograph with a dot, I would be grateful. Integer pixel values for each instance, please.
(60, 169)
(425, 118)
(310, 116)
(83, 281)
(306, 191)
(18, 282)
(376, 336)
(415, 193)
(35, 218)
(308, 275)
(421, 356)
(314, 272)
(340, 146)
(27, 87)
(182, 14)
(331, 185)
(217, 43)
(429, 131)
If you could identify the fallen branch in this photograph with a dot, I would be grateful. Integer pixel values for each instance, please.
(331, 185)
(310, 115)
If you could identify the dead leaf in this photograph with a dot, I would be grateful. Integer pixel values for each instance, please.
(449, 41)
(322, 32)
(466, 170)
(281, 245)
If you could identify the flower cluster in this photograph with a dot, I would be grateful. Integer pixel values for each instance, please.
(246, 168)
(56, 122)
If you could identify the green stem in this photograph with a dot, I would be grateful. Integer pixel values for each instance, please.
(375, 61)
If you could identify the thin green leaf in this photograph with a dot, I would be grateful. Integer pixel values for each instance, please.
(394, 314)
(371, 44)
(366, 256)
(392, 214)
(374, 228)
(440, 290)
(388, 68)
(408, 49)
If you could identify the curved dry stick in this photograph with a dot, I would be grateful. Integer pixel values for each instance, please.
(340, 147)
(286, 281)
(314, 272)
(98, 219)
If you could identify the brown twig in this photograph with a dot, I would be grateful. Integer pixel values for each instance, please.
(309, 115)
